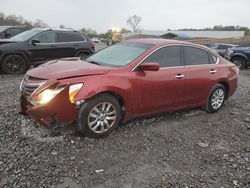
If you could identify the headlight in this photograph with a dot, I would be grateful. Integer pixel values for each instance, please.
(74, 90)
(46, 95)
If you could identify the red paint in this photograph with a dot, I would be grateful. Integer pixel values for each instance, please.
(143, 92)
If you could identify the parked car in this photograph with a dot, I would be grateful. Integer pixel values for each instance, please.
(239, 56)
(36, 46)
(11, 31)
(221, 48)
(95, 40)
(128, 80)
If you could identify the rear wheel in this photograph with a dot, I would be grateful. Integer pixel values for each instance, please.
(216, 98)
(82, 55)
(239, 62)
(14, 64)
(99, 116)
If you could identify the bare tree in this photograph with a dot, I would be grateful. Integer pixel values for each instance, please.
(133, 22)
(62, 26)
(40, 23)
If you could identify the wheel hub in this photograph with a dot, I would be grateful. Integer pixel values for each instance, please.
(102, 117)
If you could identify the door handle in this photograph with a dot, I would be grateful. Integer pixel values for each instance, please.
(212, 71)
(53, 46)
(179, 76)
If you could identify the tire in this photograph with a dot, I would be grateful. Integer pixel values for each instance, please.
(82, 55)
(239, 62)
(14, 64)
(92, 123)
(216, 98)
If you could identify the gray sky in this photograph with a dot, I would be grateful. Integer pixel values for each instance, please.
(156, 14)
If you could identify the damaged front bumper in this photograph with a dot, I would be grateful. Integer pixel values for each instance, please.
(58, 111)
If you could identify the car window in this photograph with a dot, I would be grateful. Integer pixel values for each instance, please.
(166, 57)
(47, 37)
(213, 46)
(120, 54)
(12, 32)
(69, 37)
(212, 59)
(223, 47)
(195, 56)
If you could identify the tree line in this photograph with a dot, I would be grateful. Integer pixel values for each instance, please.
(19, 20)
(133, 21)
(221, 28)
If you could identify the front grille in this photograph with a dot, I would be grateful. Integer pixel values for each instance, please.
(30, 84)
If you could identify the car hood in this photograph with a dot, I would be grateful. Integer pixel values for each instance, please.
(67, 68)
(240, 48)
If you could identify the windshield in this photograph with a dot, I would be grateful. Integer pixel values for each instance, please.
(119, 55)
(25, 35)
(2, 28)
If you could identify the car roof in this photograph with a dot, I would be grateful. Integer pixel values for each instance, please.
(159, 42)
(53, 29)
(16, 26)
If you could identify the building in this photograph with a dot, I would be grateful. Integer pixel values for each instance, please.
(183, 35)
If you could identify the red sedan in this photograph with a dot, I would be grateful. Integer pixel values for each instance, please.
(128, 80)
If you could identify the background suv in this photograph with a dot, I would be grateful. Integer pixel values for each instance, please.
(221, 48)
(37, 46)
(239, 56)
(11, 31)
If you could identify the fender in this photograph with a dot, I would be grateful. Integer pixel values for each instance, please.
(93, 86)
(113, 89)
(239, 55)
(15, 52)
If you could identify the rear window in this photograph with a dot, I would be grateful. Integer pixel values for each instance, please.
(69, 37)
(195, 56)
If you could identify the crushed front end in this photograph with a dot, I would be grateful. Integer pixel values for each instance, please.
(48, 102)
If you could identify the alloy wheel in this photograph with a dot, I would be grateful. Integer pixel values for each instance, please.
(217, 99)
(239, 63)
(15, 64)
(102, 117)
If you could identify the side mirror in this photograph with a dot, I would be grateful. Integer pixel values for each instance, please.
(150, 66)
(34, 41)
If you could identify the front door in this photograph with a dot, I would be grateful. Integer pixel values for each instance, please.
(46, 49)
(160, 90)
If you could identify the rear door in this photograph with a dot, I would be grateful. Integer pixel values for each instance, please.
(160, 90)
(200, 73)
(68, 44)
(46, 49)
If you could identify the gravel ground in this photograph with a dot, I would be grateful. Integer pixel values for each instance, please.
(185, 149)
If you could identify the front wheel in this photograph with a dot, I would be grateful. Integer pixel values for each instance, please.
(99, 116)
(14, 64)
(216, 98)
(239, 62)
